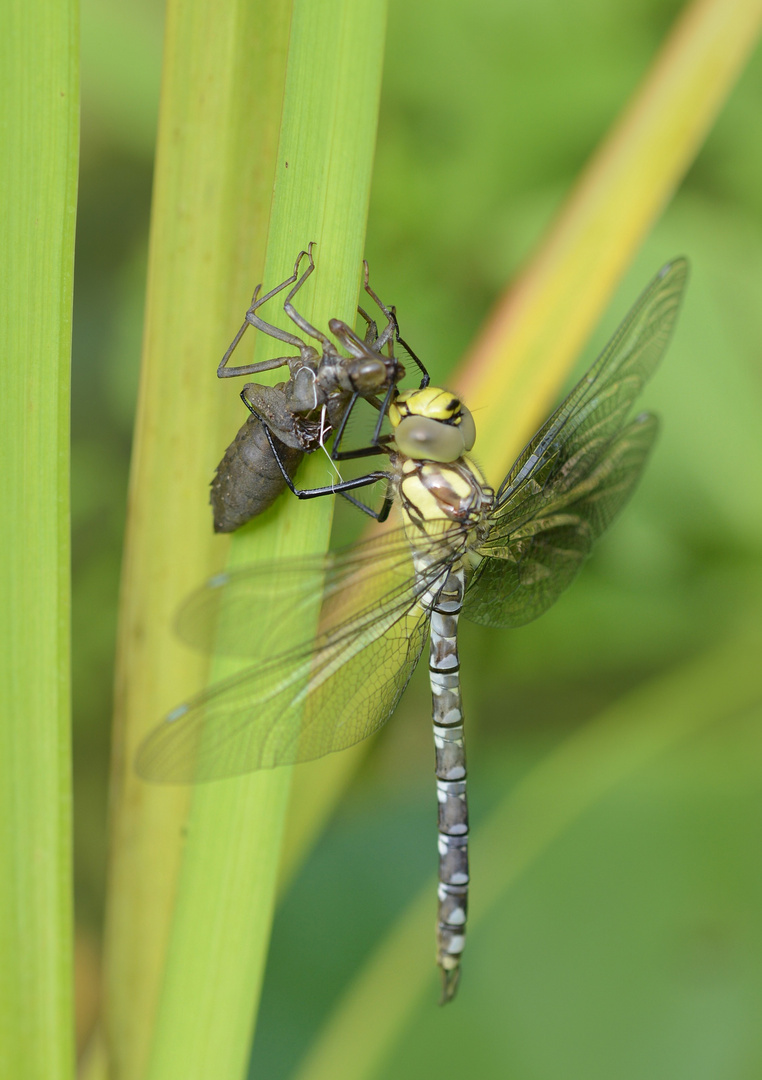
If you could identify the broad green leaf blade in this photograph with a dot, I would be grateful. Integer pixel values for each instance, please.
(38, 169)
(226, 891)
(213, 952)
(222, 94)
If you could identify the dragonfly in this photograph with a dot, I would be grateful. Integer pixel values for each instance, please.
(298, 416)
(500, 558)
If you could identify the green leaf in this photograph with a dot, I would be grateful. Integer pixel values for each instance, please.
(188, 932)
(222, 97)
(38, 176)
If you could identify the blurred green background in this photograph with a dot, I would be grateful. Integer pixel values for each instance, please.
(632, 946)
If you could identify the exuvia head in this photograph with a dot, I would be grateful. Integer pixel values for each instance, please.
(431, 424)
(370, 374)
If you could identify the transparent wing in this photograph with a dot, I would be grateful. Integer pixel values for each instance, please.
(516, 583)
(577, 472)
(241, 611)
(324, 695)
(575, 437)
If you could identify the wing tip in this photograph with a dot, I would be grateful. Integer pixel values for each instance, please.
(153, 764)
(679, 266)
(646, 418)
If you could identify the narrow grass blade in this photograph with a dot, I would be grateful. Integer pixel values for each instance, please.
(588, 765)
(223, 94)
(223, 911)
(224, 72)
(38, 178)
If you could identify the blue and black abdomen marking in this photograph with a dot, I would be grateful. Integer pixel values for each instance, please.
(452, 799)
(437, 499)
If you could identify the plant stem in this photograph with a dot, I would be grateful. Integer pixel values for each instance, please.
(39, 49)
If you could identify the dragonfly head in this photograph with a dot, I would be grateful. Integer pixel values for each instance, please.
(431, 424)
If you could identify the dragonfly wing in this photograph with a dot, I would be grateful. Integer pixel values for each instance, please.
(289, 710)
(322, 696)
(520, 578)
(576, 435)
(234, 613)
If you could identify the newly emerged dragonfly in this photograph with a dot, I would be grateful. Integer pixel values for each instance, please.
(501, 558)
(297, 417)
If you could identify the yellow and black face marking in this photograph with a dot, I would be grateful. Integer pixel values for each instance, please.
(432, 424)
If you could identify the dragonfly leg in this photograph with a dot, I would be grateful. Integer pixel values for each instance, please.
(225, 372)
(257, 302)
(392, 327)
(371, 332)
(382, 412)
(294, 315)
(377, 343)
(306, 353)
(377, 441)
(425, 377)
(378, 515)
(363, 451)
(342, 426)
(388, 503)
(314, 493)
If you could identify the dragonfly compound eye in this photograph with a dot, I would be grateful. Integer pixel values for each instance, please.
(422, 438)
(432, 424)
(467, 428)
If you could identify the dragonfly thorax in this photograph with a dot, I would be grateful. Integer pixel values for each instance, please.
(435, 496)
(364, 375)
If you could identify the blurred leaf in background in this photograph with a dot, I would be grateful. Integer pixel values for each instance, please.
(121, 63)
(490, 109)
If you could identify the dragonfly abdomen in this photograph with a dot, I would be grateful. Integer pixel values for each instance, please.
(450, 769)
